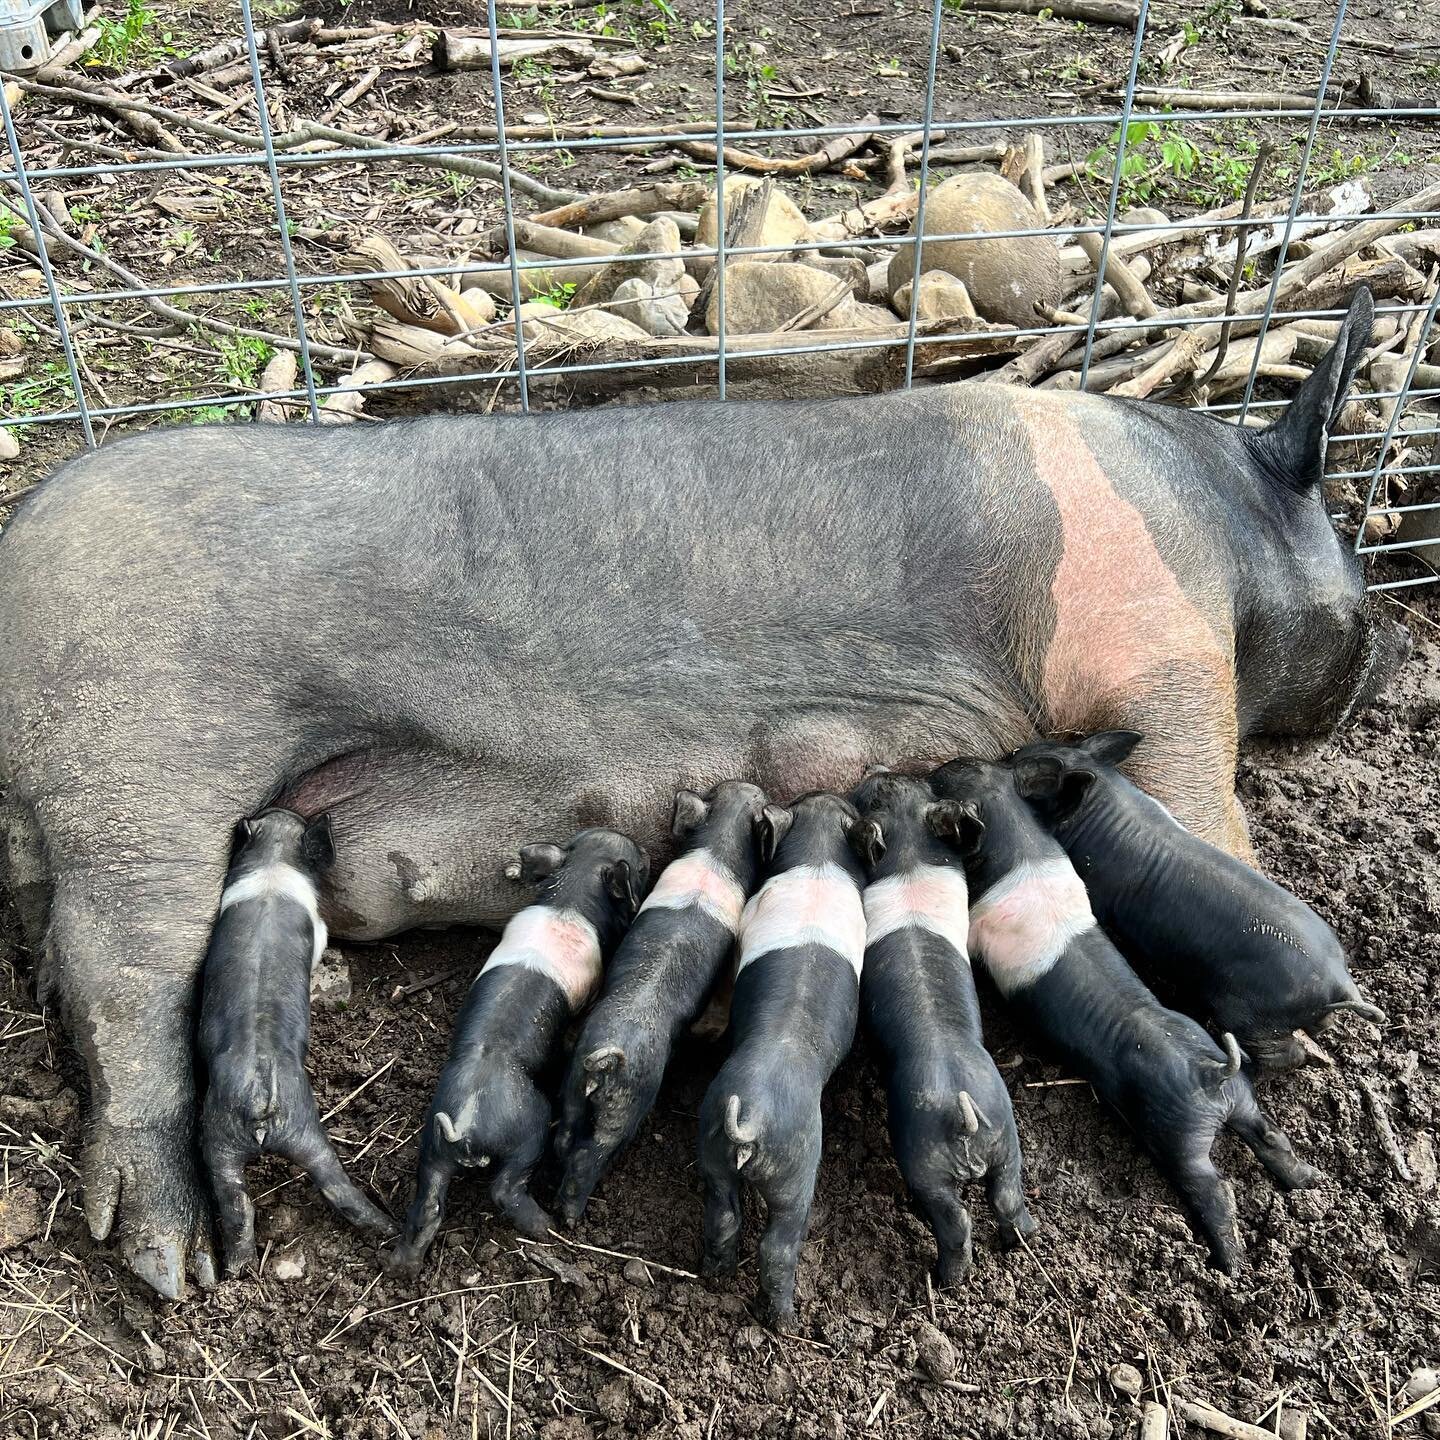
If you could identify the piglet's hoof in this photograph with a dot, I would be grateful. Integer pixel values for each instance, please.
(143, 1180)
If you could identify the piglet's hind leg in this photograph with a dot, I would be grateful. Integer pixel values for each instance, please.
(1270, 1144)
(310, 1149)
(422, 1223)
(509, 1190)
(1206, 1196)
(225, 1159)
(1004, 1188)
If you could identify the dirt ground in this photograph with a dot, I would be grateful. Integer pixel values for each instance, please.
(607, 1333)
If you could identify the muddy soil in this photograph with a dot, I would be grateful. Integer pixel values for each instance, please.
(1338, 1304)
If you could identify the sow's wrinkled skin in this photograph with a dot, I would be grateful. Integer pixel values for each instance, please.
(950, 1116)
(658, 980)
(255, 1030)
(1031, 926)
(488, 1112)
(1251, 956)
(539, 623)
(792, 1021)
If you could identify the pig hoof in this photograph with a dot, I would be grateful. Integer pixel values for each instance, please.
(781, 1318)
(718, 1267)
(401, 1261)
(951, 1271)
(1277, 1052)
(144, 1179)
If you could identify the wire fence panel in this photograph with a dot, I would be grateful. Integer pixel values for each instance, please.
(308, 221)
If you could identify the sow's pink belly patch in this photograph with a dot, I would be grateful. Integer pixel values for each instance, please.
(699, 879)
(559, 943)
(1120, 612)
(1021, 925)
(809, 905)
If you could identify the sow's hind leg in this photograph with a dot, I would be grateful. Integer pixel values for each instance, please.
(125, 943)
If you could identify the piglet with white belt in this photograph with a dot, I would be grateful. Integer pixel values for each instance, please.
(659, 978)
(255, 1027)
(950, 1116)
(488, 1111)
(1031, 925)
(792, 1020)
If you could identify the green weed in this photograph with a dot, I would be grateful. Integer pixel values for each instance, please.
(243, 358)
(130, 39)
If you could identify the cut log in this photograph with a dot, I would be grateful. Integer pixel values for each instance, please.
(454, 51)
(1092, 12)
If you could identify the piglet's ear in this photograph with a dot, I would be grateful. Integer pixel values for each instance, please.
(958, 825)
(535, 863)
(691, 811)
(244, 832)
(772, 825)
(318, 845)
(1052, 786)
(867, 840)
(1111, 747)
(625, 884)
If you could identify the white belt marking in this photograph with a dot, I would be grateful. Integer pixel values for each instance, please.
(1021, 925)
(809, 905)
(930, 897)
(559, 943)
(284, 882)
(699, 879)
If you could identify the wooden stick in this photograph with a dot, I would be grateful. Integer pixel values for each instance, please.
(1154, 1422)
(1032, 178)
(74, 48)
(639, 200)
(1388, 1143)
(1133, 295)
(1092, 12)
(456, 51)
(831, 153)
(1218, 1423)
(1162, 96)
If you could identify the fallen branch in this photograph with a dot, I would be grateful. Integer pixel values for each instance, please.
(1132, 294)
(1092, 12)
(278, 378)
(222, 54)
(346, 406)
(641, 200)
(831, 153)
(306, 132)
(1164, 97)
(154, 303)
(1388, 1143)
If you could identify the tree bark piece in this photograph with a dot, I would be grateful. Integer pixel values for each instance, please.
(1092, 12)
(279, 376)
(218, 56)
(831, 153)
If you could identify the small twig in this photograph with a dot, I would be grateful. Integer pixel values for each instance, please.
(623, 1369)
(621, 1255)
(1388, 1142)
(364, 1085)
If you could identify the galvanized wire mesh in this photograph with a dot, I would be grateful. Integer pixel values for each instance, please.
(1402, 453)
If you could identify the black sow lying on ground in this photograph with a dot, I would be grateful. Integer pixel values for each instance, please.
(1250, 955)
(1031, 925)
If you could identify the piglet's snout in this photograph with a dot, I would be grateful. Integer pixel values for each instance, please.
(1022, 924)
(559, 943)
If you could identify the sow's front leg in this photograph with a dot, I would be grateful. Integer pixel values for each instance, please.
(125, 944)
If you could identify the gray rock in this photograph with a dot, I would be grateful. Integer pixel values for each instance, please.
(658, 307)
(623, 231)
(839, 267)
(942, 297)
(784, 222)
(1007, 278)
(934, 1353)
(760, 298)
(289, 1267)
